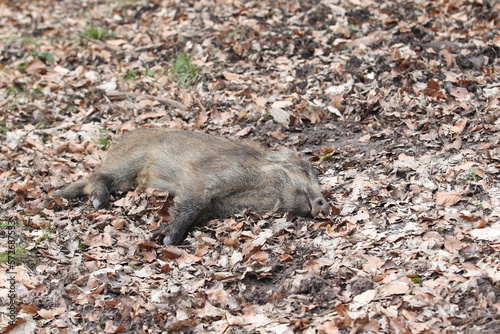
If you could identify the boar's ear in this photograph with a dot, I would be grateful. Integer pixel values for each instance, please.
(280, 156)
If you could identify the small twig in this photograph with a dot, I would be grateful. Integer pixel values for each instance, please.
(56, 128)
(339, 186)
(116, 95)
(101, 43)
(148, 47)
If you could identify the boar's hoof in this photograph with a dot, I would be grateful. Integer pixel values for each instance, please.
(96, 203)
(160, 235)
(100, 198)
(167, 241)
(320, 205)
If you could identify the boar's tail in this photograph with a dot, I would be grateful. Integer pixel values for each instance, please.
(73, 190)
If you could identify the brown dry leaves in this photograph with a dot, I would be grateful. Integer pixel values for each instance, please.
(448, 198)
(401, 99)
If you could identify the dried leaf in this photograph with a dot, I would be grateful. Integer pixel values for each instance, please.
(36, 66)
(49, 314)
(488, 233)
(448, 198)
(231, 76)
(396, 288)
(281, 116)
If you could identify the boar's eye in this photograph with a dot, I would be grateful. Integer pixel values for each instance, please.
(305, 171)
(309, 171)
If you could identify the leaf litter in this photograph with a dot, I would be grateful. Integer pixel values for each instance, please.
(397, 102)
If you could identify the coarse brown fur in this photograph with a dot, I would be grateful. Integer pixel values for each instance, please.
(210, 177)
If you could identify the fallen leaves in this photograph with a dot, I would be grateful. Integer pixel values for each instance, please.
(280, 116)
(396, 288)
(488, 233)
(50, 314)
(36, 66)
(448, 198)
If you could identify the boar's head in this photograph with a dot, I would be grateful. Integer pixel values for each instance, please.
(299, 185)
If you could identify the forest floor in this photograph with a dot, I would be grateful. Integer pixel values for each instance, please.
(396, 103)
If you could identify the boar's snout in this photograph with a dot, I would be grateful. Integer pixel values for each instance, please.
(308, 203)
(318, 205)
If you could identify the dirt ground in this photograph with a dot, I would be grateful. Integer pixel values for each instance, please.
(396, 103)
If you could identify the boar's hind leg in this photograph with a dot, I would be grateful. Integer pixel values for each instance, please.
(94, 186)
(188, 215)
(72, 190)
(117, 174)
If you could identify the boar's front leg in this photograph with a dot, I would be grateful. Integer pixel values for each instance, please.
(186, 214)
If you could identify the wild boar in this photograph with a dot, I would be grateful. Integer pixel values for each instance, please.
(210, 177)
